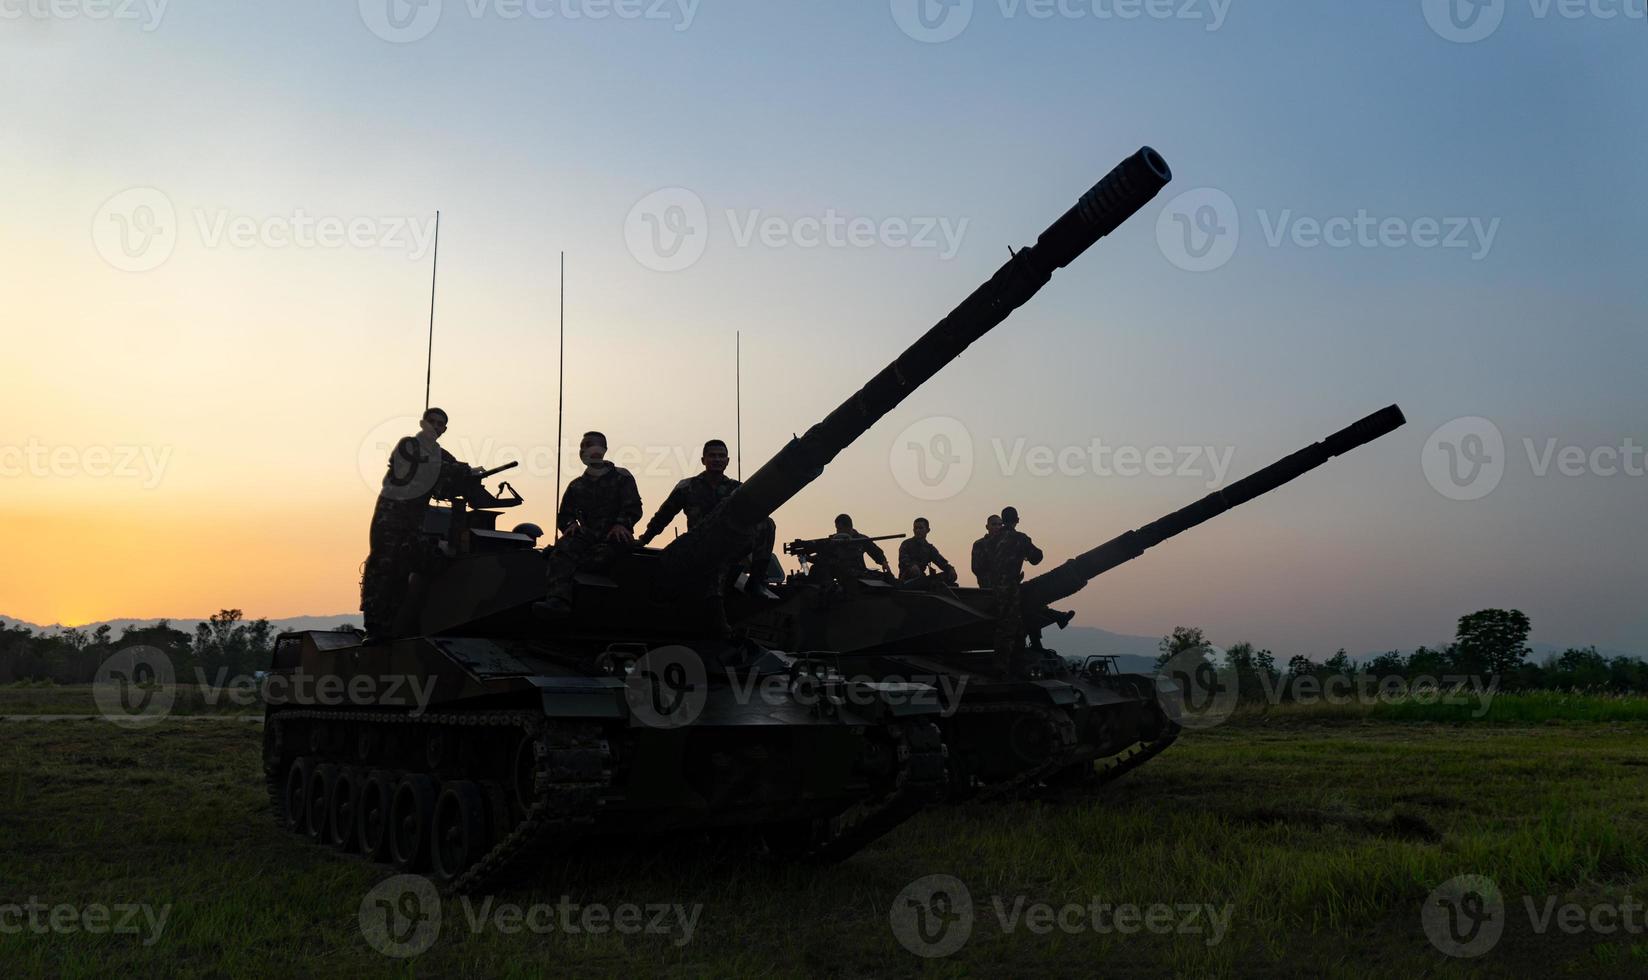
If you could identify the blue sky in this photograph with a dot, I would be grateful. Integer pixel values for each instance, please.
(544, 133)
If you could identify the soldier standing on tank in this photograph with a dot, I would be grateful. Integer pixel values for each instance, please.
(596, 520)
(418, 469)
(982, 548)
(1011, 550)
(916, 553)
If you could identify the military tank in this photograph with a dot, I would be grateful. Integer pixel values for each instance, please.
(485, 740)
(1010, 734)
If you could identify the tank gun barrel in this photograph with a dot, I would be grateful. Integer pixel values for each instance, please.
(727, 530)
(1070, 577)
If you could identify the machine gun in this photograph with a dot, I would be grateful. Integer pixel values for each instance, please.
(807, 549)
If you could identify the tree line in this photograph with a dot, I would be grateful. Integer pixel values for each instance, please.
(1489, 644)
(225, 642)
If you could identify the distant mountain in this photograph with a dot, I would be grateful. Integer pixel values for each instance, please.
(118, 626)
(1134, 654)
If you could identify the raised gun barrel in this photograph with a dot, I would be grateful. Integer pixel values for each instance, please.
(1070, 577)
(726, 532)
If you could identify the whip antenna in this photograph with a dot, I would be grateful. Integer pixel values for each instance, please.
(429, 363)
(560, 385)
(738, 397)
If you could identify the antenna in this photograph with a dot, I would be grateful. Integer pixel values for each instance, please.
(560, 385)
(738, 397)
(429, 363)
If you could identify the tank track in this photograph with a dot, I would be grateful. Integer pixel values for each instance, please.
(572, 774)
(1135, 757)
(921, 779)
(1061, 730)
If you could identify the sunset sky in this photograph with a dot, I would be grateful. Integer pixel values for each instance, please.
(216, 285)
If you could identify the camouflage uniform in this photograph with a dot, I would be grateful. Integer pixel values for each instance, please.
(418, 469)
(1011, 550)
(981, 559)
(697, 496)
(846, 561)
(589, 509)
(915, 554)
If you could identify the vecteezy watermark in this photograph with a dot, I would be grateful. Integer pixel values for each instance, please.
(937, 21)
(138, 685)
(402, 917)
(1466, 458)
(135, 686)
(668, 687)
(1465, 916)
(668, 230)
(1201, 688)
(145, 465)
(96, 919)
(405, 21)
(138, 229)
(147, 14)
(1199, 231)
(1195, 691)
(934, 459)
(1470, 21)
(594, 919)
(934, 917)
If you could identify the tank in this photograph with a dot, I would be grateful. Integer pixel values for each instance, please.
(485, 740)
(1007, 734)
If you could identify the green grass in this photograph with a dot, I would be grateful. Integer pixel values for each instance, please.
(1519, 708)
(1324, 840)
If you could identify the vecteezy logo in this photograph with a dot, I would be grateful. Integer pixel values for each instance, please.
(401, 917)
(933, 915)
(932, 459)
(1464, 916)
(135, 686)
(401, 21)
(1199, 230)
(932, 21)
(1465, 459)
(668, 687)
(397, 469)
(136, 230)
(1464, 21)
(667, 230)
(1194, 691)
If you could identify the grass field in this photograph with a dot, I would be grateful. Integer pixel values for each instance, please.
(1320, 838)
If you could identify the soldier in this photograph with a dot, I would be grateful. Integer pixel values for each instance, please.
(418, 469)
(981, 550)
(696, 496)
(848, 559)
(1007, 557)
(597, 520)
(916, 553)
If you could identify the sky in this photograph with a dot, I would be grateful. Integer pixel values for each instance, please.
(217, 258)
